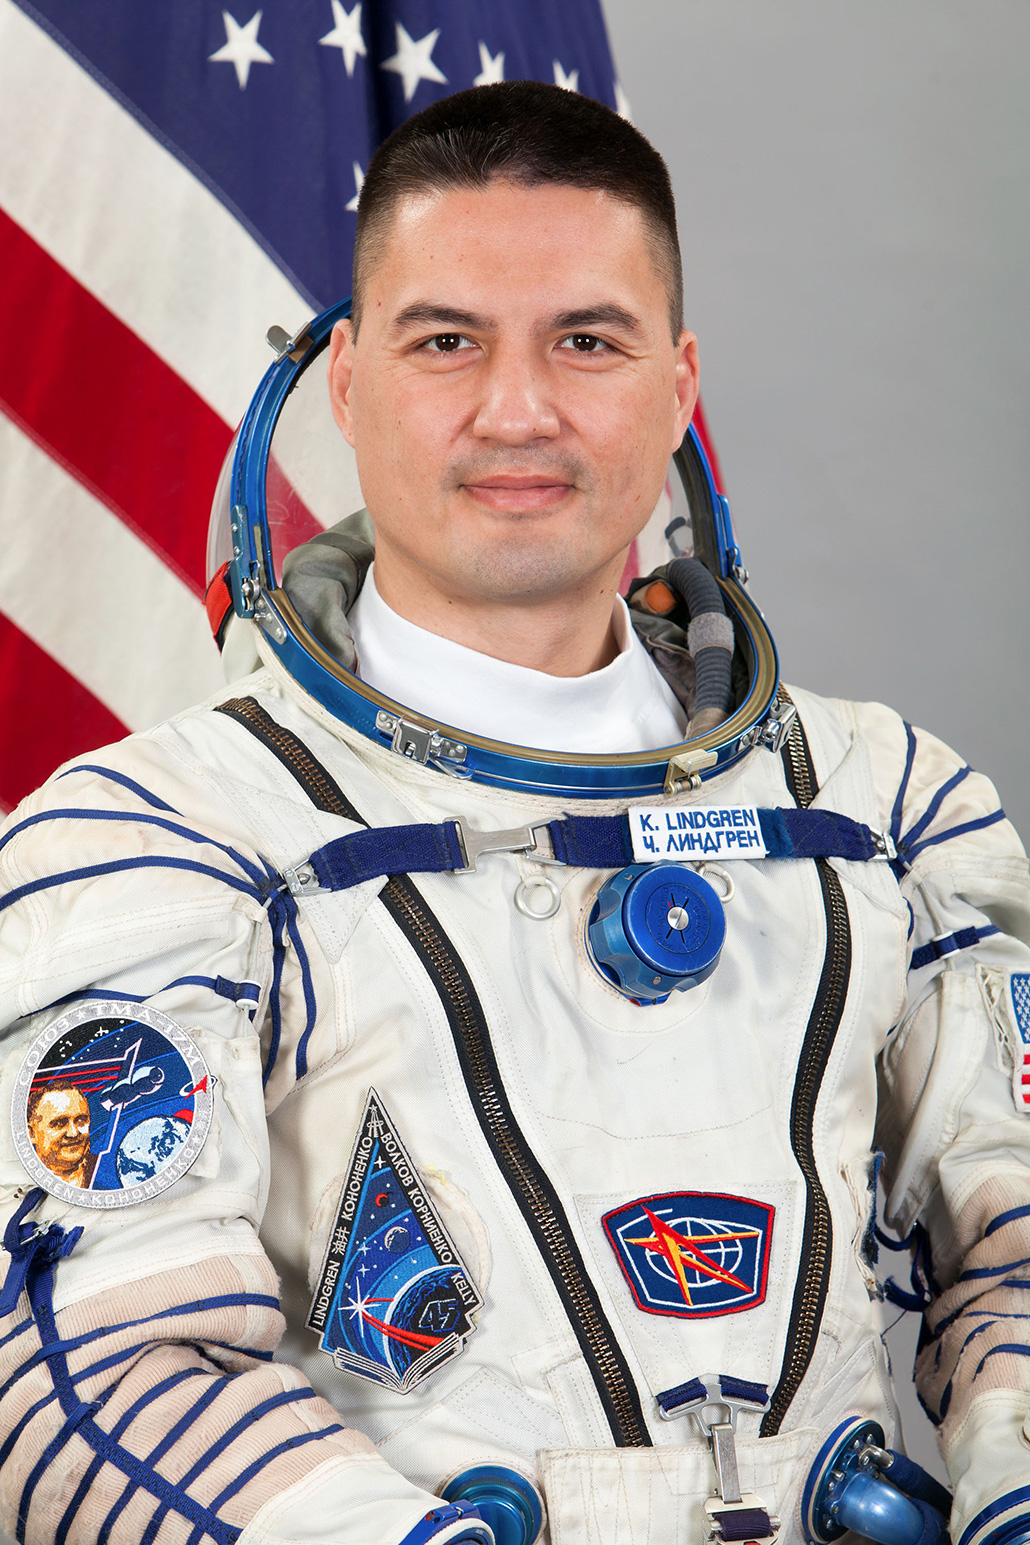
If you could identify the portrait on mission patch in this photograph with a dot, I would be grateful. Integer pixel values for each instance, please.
(58, 1122)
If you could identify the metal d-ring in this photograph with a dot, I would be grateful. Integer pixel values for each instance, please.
(537, 882)
(720, 874)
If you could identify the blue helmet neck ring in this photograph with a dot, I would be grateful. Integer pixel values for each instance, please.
(257, 594)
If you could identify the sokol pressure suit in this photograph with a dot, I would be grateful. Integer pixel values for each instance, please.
(520, 1207)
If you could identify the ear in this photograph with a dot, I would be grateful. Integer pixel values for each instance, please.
(687, 379)
(341, 369)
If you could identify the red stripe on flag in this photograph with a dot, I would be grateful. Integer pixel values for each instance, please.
(104, 405)
(47, 715)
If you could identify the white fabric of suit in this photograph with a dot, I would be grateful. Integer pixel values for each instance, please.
(616, 1103)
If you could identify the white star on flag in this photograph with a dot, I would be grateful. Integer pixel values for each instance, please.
(622, 106)
(413, 60)
(241, 48)
(568, 82)
(359, 178)
(491, 67)
(346, 36)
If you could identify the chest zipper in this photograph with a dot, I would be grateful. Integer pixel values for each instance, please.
(530, 1187)
(824, 1020)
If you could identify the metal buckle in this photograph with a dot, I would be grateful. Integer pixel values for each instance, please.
(417, 742)
(301, 880)
(885, 847)
(697, 1407)
(535, 840)
(746, 1502)
(720, 1435)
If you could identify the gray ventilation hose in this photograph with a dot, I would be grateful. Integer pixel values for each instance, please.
(709, 637)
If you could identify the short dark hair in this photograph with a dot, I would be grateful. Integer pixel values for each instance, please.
(528, 133)
(58, 1086)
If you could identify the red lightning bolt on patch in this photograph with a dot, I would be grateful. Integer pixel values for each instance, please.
(681, 1251)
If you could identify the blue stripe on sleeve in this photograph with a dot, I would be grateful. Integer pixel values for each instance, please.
(136, 818)
(952, 943)
(946, 1393)
(932, 808)
(899, 798)
(284, 1397)
(155, 1392)
(73, 1420)
(177, 1311)
(127, 783)
(1017, 1348)
(101, 1366)
(169, 1440)
(115, 866)
(980, 1273)
(954, 831)
(258, 1465)
(1006, 1217)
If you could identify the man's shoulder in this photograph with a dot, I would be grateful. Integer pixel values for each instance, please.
(836, 727)
(933, 801)
(193, 762)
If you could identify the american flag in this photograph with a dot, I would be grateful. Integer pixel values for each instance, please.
(175, 177)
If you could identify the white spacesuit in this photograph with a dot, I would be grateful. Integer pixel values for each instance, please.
(628, 1197)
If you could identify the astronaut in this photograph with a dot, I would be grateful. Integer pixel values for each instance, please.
(538, 987)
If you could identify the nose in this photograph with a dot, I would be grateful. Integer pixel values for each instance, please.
(516, 406)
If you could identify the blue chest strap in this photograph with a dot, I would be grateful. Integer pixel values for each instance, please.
(584, 841)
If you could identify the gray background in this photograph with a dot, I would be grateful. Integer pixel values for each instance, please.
(852, 182)
(853, 200)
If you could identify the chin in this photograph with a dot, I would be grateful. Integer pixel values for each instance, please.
(523, 572)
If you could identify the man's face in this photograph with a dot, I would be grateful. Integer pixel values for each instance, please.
(60, 1131)
(514, 393)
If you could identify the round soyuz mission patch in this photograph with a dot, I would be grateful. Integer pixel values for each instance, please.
(111, 1107)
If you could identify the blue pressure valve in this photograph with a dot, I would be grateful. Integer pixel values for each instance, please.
(504, 1498)
(656, 929)
(857, 1484)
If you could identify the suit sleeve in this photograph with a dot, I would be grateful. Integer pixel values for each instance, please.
(139, 1397)
(955, 1120)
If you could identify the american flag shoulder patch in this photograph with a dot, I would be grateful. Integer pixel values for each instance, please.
(1019, 991)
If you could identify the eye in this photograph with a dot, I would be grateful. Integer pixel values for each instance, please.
(585, 343)
(447, 343)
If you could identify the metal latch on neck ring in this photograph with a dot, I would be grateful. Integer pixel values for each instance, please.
(773, 730)
(417, 742)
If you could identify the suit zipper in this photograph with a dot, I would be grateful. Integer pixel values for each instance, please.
(824, 1020)
(530, 1187)
(532, 1190)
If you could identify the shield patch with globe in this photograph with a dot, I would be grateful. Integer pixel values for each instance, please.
(693, 1254)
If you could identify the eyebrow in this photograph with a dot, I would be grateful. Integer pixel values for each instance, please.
(598, 316)
(425, 314)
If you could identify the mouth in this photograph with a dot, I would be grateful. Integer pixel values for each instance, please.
(514, 493)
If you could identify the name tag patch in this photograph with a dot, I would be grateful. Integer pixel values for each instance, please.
(394, 1301)
(111, 1107)
(695, 831)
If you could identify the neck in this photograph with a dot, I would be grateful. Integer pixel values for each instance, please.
(566, 635)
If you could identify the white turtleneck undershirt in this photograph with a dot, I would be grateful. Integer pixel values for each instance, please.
(625, 706)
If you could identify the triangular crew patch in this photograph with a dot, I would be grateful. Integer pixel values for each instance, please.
(394, 1301)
